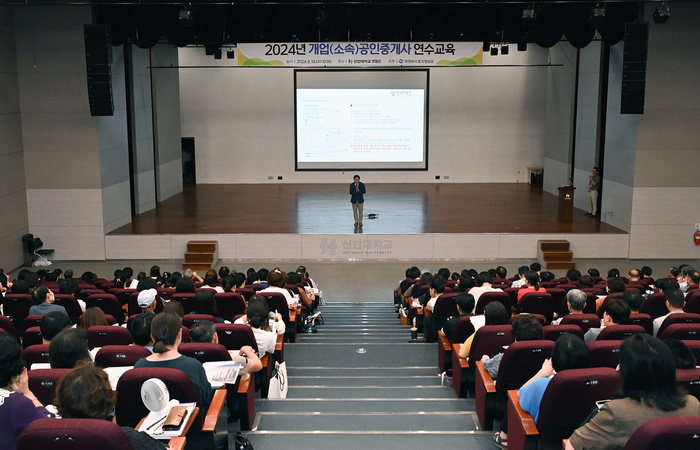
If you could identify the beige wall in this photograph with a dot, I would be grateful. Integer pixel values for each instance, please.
(487, 124)
(666, 184)
(13, 197)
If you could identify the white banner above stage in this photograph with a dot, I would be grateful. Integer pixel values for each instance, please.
(360, 54)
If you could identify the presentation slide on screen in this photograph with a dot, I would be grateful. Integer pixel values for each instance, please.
(341, 126)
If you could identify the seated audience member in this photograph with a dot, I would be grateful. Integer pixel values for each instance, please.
(616, 312)
(437, 288)
(262, 277)
(674, 303)
(20, 287)
(483, 284)
(205, 331)
(140, 328)
(174, 278)
(682, 355)
(593, 273)
(569, 352)
(575, 301)
(586, 282)
(93, 316)
(693, 279)
(185, 286)
(18, 405)
(44, 298)
(204, 303)
(277, 281)
(211, 281)
(166, 330)
(501, 273)
(633, 275)
(85, 393)
(68, 348)
(464, 284)
(224, 271)
(52, 324)
(613, 273)
(175, 307)
(646, 271)
(634, 299)
(572, 276)
(649, 391)
(683, 278)
(146, 283)
(68, 286)
(519, 279)
(525, 327)
(154, 273)
(424, 280)
(546, 276)
(251, 277)
(265, 329)
(147, 300)
(465, 304)
(615, 284)
(494, 314)
(532, 284)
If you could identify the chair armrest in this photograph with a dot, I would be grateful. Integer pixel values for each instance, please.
(243, 385)
(485, 396)
(464, 363)
(177, 443)
(279, 343)
(447, 347)
(264, 359)
(212, 416)
(485, 378)
(522, 431)
(293, 316)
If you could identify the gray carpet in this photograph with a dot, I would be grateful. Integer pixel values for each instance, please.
(359, 384)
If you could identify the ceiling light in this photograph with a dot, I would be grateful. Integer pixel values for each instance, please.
(529, 16)
(184, 16)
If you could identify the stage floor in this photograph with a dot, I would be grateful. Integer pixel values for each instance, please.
(415, 208)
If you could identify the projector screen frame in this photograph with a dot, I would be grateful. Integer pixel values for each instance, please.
(426, 115)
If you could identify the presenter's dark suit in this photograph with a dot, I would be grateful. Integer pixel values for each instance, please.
(357, 199)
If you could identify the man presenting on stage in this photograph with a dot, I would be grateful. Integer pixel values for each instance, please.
(357, 189)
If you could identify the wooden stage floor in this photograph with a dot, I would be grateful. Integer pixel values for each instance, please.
(325, 209)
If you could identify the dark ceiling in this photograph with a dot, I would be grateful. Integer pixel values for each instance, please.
(215, 24)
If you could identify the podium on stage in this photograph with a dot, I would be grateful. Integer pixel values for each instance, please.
(566, 203)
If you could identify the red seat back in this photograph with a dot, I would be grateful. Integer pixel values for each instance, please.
(69, 434)
(120, 355)
(604, 353)
(619, 332)
(102, 335)
(666, 432)
(43, 382)
(205, 351)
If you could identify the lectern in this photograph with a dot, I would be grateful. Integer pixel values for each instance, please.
(566, 204)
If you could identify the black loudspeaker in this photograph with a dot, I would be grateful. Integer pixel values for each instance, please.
(98, 61)
(634, 68)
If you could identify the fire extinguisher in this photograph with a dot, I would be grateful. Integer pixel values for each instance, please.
(697, 237)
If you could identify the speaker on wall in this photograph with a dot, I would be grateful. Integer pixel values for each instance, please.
(98, 62)
(634, 68)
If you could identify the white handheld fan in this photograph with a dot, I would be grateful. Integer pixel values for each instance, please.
(155, 396)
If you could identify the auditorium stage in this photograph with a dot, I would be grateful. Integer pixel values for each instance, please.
(402, 221)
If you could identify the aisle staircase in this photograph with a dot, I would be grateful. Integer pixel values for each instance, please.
(201, 255)
(555, 254)
(359, 384)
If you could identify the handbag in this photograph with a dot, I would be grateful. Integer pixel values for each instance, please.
(278, 382)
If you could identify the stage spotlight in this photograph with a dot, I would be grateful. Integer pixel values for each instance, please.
(494, 51)
(184, 16)
(486, 47)
(522, 45)
(597, 16)
(529, 16)
(504, 49)
(231, 53)
(662, 13)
